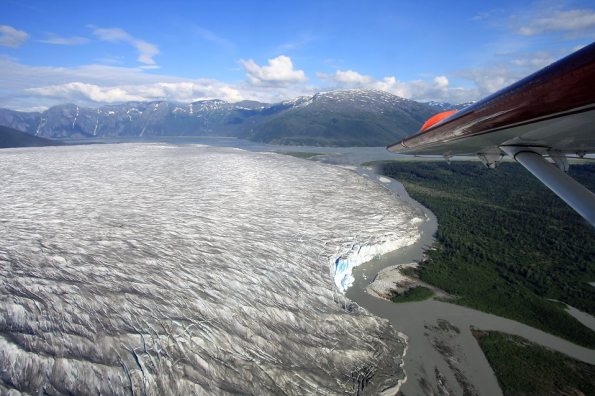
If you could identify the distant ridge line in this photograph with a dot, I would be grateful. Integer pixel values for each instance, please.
(333, 118)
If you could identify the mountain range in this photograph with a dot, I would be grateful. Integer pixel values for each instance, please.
(335, 118)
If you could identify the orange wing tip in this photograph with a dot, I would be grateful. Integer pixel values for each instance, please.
(435, 119)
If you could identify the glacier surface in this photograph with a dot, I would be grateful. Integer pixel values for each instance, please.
(162, 269)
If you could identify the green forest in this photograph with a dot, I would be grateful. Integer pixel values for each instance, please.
(417, 293)
(505, 243)
(524, 368)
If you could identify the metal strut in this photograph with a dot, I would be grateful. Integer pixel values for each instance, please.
(572, 192)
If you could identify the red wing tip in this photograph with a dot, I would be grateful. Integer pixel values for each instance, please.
(435, 119)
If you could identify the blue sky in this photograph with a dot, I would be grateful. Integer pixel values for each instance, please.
(94, 53)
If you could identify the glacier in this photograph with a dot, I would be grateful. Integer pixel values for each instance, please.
(187, 269)
(359, 254)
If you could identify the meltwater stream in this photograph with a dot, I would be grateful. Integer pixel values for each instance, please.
(162, 269)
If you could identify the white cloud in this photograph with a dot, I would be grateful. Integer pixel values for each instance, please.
(441, 82)
(18, 76)
(146, 50)
(578, 47)
(534, 62)
(279, 72)
(394, 86)
(25, 86)
(78, 90)
(559, 20)
(19, 83)
(31, 109)
(436, 89)
(57, 40)
(350, 77)
(511, 67)
(187, 91)
(11, 37)
(491, 80)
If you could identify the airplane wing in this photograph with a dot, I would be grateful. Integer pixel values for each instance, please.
(550, 113)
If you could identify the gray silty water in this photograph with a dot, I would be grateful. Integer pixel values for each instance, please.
(138, 268)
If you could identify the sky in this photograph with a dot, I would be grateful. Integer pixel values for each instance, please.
(96, 53)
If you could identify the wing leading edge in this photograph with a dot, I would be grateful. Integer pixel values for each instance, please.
(549, 113)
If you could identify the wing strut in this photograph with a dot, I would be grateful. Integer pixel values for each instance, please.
(573, 193)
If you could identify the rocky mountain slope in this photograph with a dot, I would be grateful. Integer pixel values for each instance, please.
(344, 118)
(12, 138)
(339, 118)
